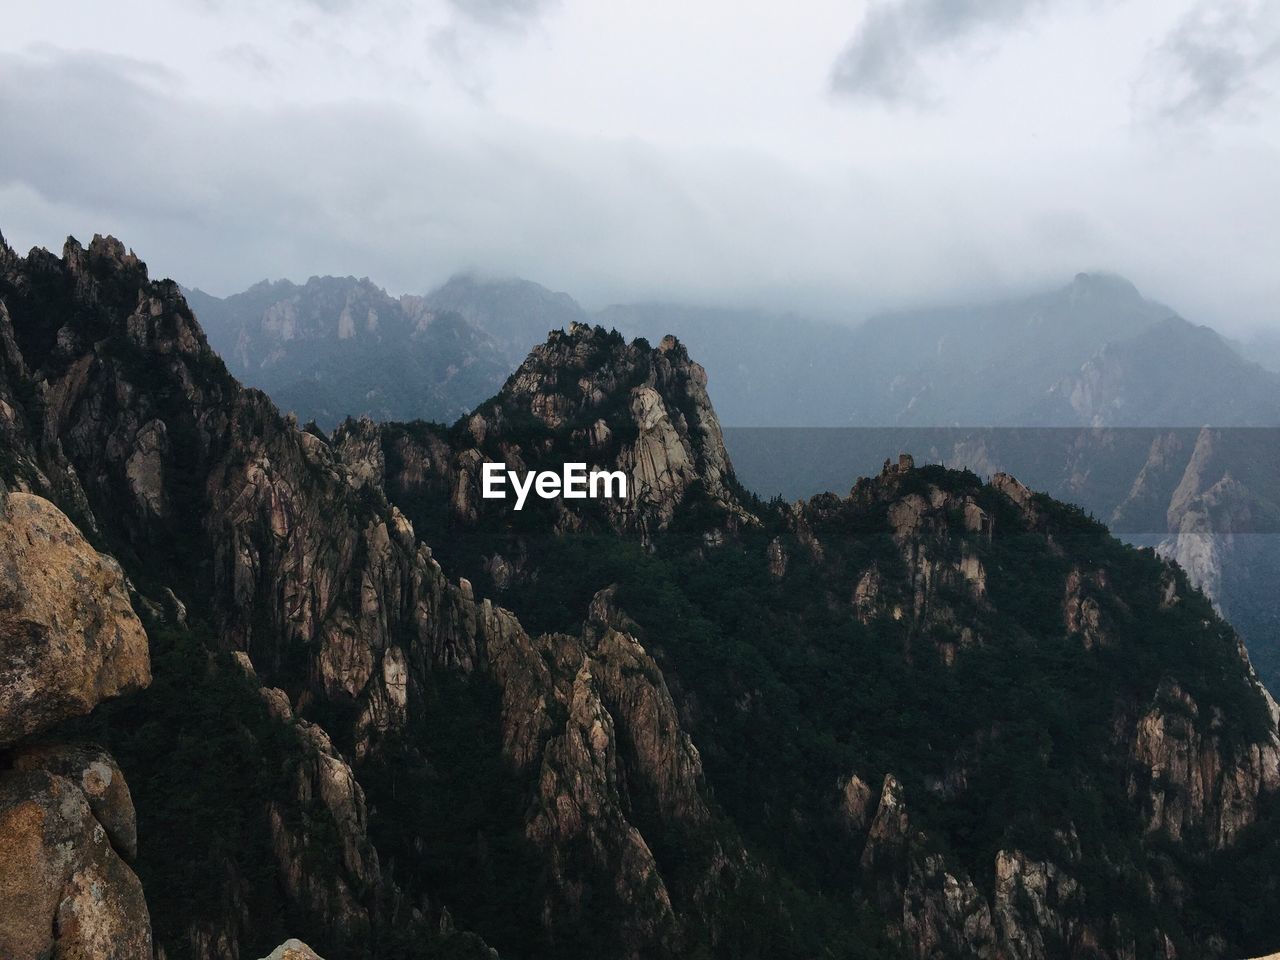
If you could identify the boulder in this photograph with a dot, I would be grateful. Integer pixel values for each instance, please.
(69, 638)
(64, 890)
(293, 950)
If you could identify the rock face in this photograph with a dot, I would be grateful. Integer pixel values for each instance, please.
(96, 775)
(293, 950)
(597, 399)
(1184, 782)
(65, 890)
(69, 636)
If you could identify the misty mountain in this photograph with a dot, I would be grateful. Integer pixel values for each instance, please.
(1171, 373)
(516, 313)
(1092, 353)
(1263, 348)
(339, 346)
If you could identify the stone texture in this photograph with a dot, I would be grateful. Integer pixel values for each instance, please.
(98, 777)
(293, 950)
(1184, 779)
(68, 633)
(64, 890)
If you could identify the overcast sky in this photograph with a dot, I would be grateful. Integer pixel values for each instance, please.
(826, 156)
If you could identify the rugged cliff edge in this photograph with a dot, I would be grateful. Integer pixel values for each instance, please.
(935, 717)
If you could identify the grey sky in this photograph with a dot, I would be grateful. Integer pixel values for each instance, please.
(831, 157)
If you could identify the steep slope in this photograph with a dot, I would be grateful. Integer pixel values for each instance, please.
(1170, 374)
(980, 672)
(1206, 496)
(935, 717)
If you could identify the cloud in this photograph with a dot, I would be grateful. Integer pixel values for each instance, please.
(220, 195)
(511, 14)
(1217, 59)
(885, 59)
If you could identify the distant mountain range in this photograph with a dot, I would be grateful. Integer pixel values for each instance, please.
(335, 347)
(1092, 354)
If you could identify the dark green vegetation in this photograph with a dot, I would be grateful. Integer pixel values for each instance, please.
(786, 693)
(203, 761)
(446, 801)
(1144, 482)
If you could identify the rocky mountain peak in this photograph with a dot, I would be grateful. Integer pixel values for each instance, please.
(587, 395)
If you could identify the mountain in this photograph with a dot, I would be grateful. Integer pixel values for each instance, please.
(1094, 352)
(935, 717)
(337, 346)
(1263, 348)
(516, 313)
(1169, 374)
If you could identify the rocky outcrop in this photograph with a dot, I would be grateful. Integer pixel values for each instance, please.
(1036, 905)
(597, 399)
(932, 910)
(1081, 610)
(939, 554)
(65, 889)
(1185, 779)
(98, 777)
(591, 717)
(69, 635)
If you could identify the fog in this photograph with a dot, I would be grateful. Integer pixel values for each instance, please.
(831, 159)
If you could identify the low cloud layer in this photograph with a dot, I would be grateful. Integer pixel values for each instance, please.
(619, 160)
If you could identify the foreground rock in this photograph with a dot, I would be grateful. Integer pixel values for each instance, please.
(68, 634)
(68, 640)
(65, 889)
